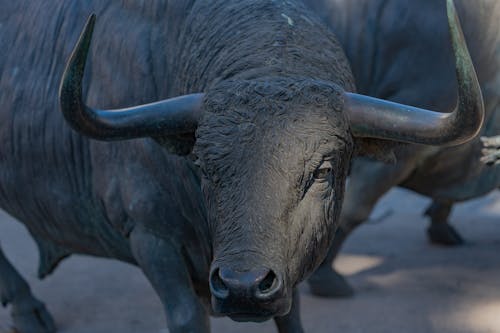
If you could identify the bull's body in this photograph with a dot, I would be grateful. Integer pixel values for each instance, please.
(392, 49)
(73, 194)
(77, 195)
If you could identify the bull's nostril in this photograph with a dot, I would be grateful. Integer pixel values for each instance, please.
(269, 285)
(266, 284)
(217, 285)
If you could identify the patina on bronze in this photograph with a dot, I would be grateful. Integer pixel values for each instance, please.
(491, 150)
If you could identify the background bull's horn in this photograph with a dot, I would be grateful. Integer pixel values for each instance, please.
(169, 117)
(375, 118)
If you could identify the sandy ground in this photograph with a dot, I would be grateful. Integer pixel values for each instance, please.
(403, 283)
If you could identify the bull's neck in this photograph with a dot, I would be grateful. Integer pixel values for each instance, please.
(231, 39)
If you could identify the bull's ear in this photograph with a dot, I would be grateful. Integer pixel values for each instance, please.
(177, 144)
(380, 150)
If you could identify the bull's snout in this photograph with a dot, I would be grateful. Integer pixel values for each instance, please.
(257, 285)
(252, 295)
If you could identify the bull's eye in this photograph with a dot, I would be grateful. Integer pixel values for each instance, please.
(324, 171)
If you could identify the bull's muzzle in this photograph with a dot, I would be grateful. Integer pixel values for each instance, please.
(252, 295)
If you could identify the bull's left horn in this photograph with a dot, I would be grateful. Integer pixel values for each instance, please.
(173, 116)
(375, 118)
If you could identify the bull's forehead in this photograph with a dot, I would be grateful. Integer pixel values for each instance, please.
(270, 132)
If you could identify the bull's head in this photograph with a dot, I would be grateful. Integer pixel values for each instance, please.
(273, 155)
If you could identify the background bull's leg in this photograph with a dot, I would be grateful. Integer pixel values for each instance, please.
(440, 231)
(28, 313)
(167, 272)
(291, 323)
(369, 180)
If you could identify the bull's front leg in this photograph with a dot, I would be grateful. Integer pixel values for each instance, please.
(440, 231)
(28, 313)
(291, 323)
(165, 268)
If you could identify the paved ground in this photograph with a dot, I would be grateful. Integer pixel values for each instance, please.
(403, 283)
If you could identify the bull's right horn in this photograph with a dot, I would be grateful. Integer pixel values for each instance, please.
(375, 118)
(173, 116)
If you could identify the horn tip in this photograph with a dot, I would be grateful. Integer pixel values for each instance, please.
(89, 25)
(91, 20)
(451, 11)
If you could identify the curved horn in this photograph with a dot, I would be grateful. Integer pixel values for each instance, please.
(376, 118)
(178, 115)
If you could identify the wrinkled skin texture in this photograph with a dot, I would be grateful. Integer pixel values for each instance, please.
(392, 50)
(261, 191)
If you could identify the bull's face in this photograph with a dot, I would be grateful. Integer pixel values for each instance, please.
(274, 156)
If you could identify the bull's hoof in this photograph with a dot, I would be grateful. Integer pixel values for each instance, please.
(444, 234)
(32, 317)
(329, 283)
